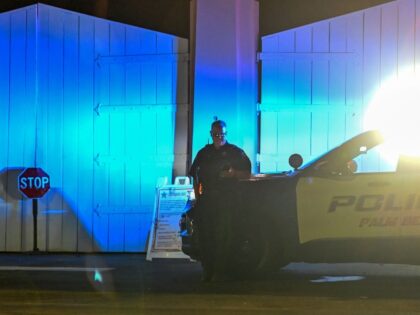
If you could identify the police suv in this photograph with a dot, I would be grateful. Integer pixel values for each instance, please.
(348, 205)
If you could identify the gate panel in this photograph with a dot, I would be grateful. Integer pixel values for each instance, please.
(136, 105)
(333, 67)
(93, 103)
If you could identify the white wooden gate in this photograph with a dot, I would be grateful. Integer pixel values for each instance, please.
(318, 79)
(96, 104)
(136, 99)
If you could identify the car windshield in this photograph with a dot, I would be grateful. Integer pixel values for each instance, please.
(334, 159)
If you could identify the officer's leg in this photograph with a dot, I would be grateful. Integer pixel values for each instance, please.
(205, 219)
(223, 236)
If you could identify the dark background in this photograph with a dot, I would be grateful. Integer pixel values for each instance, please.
(279, 15)
(172, 16)
(167, 16)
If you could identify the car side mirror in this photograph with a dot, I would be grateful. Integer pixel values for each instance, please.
(295, 161)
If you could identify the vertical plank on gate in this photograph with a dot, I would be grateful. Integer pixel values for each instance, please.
(30, 122)
(389, 41)
(148, 175)
(17, 116)
(133, 132)
(353, 124)
(149, 165)
(71, 129)
(286, 137)
(320, 68)
(270, 76)
(43, 65)
(117, 173)
(270, 82)
(371, 67)
(55, 130)
(337, 85)
(337, 71)
(101, 137)
(319, 133)
(303, 68)
(164, 43)
(117, 143)
(320, 37)
(30, 88)
(303, 39)
(406, 35)
(165, 134)
(165, 119)
(270, 44)
(143, 229)
(85, 141)
(132, 72)
(286, 41)
(336, 128)
(4, 120)
(302, 141)
(147, 42)
(164, 71)
(269, 142)
(354, 71)
(286, 82)
(148, 69)
(286, 73)
(320, 72)
(148, 83)
(371, 56)
(303, 77)
(269, 133)
(338, 30)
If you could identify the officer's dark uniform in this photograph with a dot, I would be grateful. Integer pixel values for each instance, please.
(213, 215)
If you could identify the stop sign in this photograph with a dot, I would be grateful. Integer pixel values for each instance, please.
(34, 182)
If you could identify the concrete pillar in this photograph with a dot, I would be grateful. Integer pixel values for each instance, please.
(224, 38)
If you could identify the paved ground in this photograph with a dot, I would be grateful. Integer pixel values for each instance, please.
(127, 284)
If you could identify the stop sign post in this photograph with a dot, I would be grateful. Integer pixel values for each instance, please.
(34, 183)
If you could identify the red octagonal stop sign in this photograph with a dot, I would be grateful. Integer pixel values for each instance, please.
(34, 182)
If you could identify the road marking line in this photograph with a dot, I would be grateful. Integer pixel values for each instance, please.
(338, 279)
(71, 269)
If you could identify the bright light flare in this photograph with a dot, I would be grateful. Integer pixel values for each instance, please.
(395, 111)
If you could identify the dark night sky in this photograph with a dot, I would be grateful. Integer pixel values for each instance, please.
(172, 16)
(279, 15)
(168, 16)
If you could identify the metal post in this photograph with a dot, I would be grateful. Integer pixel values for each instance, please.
(35, 214)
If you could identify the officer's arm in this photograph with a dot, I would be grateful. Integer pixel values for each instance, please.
(241, 170)
(194, 173)
(232, 173)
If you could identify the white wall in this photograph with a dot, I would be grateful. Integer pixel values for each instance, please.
(225, 76)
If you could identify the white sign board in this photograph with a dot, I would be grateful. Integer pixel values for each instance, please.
(164, 239)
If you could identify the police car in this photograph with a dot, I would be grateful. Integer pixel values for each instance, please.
(348, 205)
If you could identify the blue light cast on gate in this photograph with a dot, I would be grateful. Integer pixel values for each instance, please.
(93, 102)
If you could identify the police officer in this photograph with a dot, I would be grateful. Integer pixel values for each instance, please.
(213, 170)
